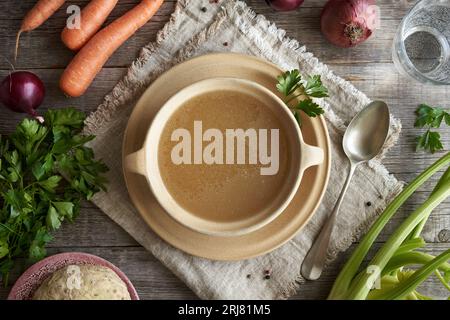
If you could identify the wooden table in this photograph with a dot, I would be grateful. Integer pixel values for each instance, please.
(368, 67)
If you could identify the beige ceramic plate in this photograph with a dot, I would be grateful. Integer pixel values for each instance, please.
(261, 241)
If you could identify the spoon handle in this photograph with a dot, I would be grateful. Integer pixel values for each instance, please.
(315, 259)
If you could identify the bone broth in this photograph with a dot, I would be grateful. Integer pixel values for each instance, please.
(224, 156)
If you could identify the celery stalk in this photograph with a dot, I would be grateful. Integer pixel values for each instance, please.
(410, 245)
(442, 279)
(409, 285)
(386, 252)
(411, 258)
(421, 296)
(350, 269)
(444, 180)
(388, 283)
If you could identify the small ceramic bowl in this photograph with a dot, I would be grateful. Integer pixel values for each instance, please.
(145, 161)
(33, 277)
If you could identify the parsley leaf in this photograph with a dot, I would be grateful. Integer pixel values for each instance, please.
(309, 107)
(430, 141)
(45, 172)
(288, 82)
(4, 248)
(66, 118)
(430, 117)
(64, 208)
(293, 87)
(51, 183)
(53, 221)
(37, 248)
(315, 88)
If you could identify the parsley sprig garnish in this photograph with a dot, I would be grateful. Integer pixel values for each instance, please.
(45, 172)
(292, 85)
(429, 118)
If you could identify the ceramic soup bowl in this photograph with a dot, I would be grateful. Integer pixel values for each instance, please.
(302, 156)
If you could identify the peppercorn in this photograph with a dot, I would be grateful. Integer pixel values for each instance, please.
(203, 9)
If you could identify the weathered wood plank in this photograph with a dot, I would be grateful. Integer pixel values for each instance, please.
(47, 37)
(402, 94)
(389, 9)
(302, 25)
(153, 281)
(368, 66)
(94, 228)
(54, 98)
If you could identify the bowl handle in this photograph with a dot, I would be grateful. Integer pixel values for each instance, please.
(311, 156)
(135, 162)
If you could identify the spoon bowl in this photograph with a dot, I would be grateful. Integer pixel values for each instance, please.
(367, 132)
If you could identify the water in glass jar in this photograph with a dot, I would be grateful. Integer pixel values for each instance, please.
(426, 41)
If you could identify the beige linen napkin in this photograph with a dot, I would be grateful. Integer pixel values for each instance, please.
(230, 25)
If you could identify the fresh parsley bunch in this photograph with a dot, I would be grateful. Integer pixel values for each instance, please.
(429, 117)
(292, 85)
(45, 171)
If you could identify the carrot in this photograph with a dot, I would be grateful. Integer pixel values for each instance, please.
(92, 18)
(82, 70)
(41, 11)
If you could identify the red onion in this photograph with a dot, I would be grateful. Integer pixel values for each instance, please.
(347, 23)
(284, 5)
(22, 91)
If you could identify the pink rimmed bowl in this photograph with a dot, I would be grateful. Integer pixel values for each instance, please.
(33, 277)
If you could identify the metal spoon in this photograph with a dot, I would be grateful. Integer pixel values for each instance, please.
(362, 141)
